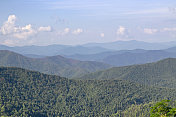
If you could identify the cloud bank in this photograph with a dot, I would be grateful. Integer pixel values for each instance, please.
(9, 28)
(150, 30)
(47, 29)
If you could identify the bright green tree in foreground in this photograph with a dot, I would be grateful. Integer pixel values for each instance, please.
(163, 109)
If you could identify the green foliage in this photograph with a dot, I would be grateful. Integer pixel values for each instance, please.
(160, 74)
(56, 65)
(29, 93)
(162, 109)
(141, 110)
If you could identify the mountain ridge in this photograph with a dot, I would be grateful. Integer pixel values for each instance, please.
(161, 73)
(57, 65)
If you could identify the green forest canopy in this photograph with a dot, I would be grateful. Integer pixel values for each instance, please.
(30, 93)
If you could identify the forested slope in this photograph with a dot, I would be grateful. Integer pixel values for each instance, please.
(161, 73)
(29, 93)
(57, 65)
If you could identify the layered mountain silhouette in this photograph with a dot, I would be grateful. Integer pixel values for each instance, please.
(53, 50)
(91, 48)
(127, 57)
(57, 65)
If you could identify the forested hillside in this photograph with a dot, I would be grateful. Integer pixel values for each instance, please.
(57, 65)
(141, 110)
(161, 73)
(29, 93)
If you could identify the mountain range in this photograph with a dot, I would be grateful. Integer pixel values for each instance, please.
(53, 50)
(94, 85)
(57, 65)
(131, 45)
(127, 57)
(91, 48)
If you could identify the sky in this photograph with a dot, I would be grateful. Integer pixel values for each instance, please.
(74, 22)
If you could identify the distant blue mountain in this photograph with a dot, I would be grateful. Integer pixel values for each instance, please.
(105, 49)
(127, 57)
(131, 45)
(172, 49)
(101, 56)
(81, 50)
(53, 50)
(35, 50)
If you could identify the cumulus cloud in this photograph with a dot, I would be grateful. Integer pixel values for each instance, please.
(123, 33)
(9, 28)
(47, 29)
(150, 30)
(102, 35)
(121, 30)
(77, 31)
(24, 32)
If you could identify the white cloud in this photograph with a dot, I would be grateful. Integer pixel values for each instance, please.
(47, 28)
(153, 30)
(102, 35)
(24, 32)
(77, 31)
(9, 28)
(169, 29)
(121, 30)
(68, 30)
(150, 30)
(123, 33)
(64, 32)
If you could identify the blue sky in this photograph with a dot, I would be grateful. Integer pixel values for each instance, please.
(72, 22)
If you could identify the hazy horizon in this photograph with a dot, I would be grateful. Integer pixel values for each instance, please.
(91, 43)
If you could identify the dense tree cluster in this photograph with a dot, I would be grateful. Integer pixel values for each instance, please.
(29, 93)
(163, 109)
(160, 74)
